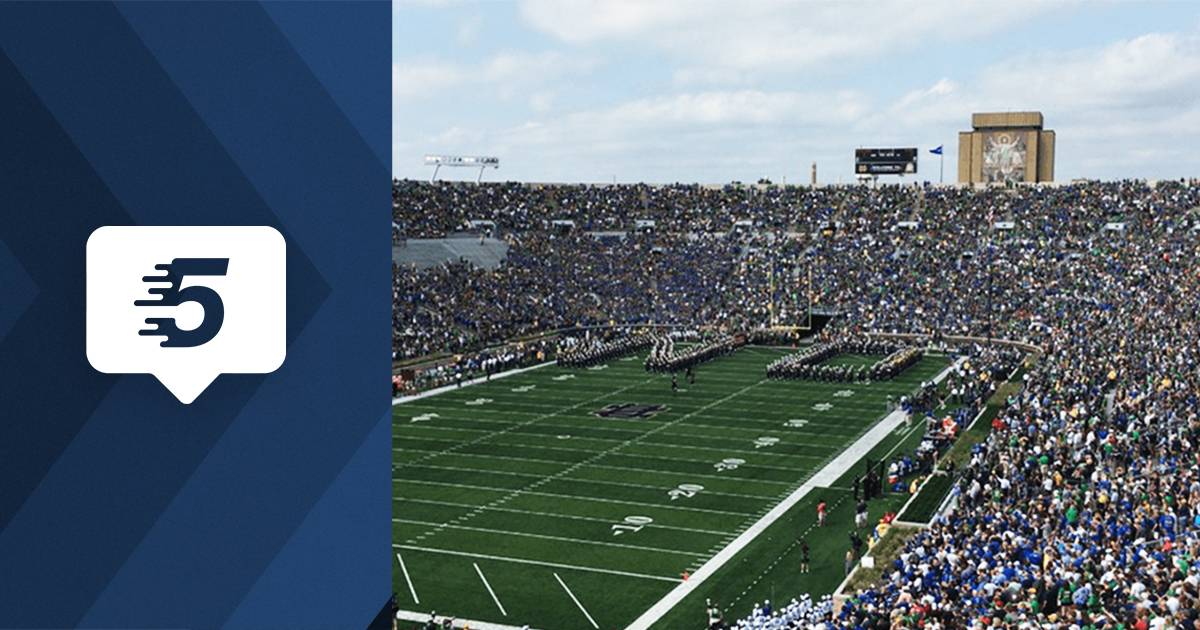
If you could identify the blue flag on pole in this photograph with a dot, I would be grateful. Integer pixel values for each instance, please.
(937, 151)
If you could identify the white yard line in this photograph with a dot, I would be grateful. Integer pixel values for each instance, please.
(611, 451)
(576, 600)
(555, 565)
(657, 445)
(404, 569)
(691, 475)
(620, 484)
(576, 541)
(730, 451)
(489, 589)
(566, 496)
(572, 517)
(825, 477)
(682, 475)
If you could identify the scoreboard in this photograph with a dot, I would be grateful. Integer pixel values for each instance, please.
(902, 161)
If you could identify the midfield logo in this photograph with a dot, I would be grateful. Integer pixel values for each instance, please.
(630, 410)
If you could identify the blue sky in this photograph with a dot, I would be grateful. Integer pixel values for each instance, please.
(713, 91)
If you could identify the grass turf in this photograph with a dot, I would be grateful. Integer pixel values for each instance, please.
(518, 483)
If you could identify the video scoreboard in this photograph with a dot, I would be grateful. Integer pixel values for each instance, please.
(898, 161)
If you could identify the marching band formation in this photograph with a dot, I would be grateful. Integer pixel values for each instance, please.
(663, 357)
(806, 364)
(594, 352)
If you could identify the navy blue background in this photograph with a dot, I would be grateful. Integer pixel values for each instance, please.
(266, 502)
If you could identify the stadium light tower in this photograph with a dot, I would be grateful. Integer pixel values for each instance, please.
(472, 161)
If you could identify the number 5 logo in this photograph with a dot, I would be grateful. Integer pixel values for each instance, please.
(186, 304)
(214, 308)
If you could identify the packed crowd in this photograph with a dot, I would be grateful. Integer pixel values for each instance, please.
(1082, 507)
(744, 256)
(798, 612)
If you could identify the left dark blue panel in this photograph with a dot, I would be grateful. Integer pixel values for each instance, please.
(268, 499)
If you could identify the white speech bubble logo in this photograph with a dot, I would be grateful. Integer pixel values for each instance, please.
(186, 304)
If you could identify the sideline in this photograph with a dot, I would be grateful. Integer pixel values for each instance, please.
(482, 379)
(408, 615)
(824, 478)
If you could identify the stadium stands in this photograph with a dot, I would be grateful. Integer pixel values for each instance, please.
(1082, 507)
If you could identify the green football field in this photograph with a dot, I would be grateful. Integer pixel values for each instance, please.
(515, 503)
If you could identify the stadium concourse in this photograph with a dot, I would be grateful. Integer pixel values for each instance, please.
(1080, 509)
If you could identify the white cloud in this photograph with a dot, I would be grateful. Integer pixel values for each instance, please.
(1116, 109)
(1129, 108)
(733, 108)
(1149, 71)
(423, 77)
(716, 135)
(419, 78)
(719, 40)
(468, 30)
(542, 102)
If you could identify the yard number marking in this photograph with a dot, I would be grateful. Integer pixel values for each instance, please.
(524, 388)
(631, 524)
(479, 401)
(729, 463)
(795, 423)
(563, 377)
(599, 367)
(425, 417)
(765, 442)
(822, 406)
(845, 393)
(684, 491)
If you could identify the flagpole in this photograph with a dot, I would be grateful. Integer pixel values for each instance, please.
(940, 152)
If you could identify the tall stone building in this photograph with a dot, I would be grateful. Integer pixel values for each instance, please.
(1006, 147)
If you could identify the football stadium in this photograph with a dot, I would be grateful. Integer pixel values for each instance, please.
(781, 316)
(842, 404)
